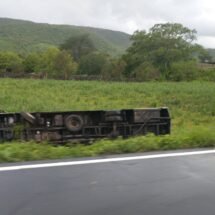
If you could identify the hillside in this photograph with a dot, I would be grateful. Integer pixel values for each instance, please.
(26, 36)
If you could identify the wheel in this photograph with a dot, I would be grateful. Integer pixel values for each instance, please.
(74, 123)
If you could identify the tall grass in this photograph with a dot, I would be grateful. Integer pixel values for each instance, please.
(193, 138)
(192, 107)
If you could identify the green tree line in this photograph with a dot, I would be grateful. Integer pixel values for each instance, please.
(166, 52)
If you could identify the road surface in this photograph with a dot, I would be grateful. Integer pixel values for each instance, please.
(157, 184)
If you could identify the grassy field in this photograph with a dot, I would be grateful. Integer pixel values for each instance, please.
(192, 106)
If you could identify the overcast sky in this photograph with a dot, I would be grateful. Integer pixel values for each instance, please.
(122, 15)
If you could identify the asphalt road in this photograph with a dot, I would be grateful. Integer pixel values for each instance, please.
(165, 186)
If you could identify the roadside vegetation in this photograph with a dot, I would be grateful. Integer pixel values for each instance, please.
(165, 52)
(192, 107)
(170, 68)
(197, 137)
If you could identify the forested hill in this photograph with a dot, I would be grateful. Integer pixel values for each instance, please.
(26, 36)
(212, 53)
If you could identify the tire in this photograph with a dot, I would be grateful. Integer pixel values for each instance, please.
(74, 123)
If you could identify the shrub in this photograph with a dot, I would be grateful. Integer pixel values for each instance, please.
(183, 71)
(146, 72)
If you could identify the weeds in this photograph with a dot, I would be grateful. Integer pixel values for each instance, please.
(192, 107)
(198, 137)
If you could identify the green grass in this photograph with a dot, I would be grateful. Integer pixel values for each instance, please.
(192, 106)
(201, 137)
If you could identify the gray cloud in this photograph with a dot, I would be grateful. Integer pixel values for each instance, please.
(126, 15)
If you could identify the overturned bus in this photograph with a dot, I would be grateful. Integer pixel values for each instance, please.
(81, 126)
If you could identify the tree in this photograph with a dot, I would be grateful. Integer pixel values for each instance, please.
(203, 54)
(32, 63)
(10, 61)
(92, 64)
(47, 66)
(52, 63)
(163, 45)
(79, 46)
(146, 72)
(64, 65)
(113, 70)
(183, 71)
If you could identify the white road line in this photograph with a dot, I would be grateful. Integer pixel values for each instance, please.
(107, 160)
